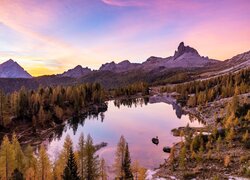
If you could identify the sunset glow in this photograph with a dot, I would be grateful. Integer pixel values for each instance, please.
(51, 36)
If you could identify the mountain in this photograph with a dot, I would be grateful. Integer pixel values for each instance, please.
(237, 62)
(182, 49)
(11, 69)
(76, 72)
(186, 64)
(184, 57)
(120, 67)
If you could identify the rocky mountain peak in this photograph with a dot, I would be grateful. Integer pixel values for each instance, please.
(10, 61)
(125, 62)
(76, 72)
(11, 69)
(182, 49)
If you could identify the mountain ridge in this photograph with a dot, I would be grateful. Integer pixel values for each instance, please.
(185, 57)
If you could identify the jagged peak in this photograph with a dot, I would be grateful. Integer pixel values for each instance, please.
(182, 49)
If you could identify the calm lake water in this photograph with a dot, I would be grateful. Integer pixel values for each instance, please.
(138, 123)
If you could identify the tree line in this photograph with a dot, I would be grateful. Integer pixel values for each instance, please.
(202, 91)
(131, 89)
(41, 105)
(69, 164)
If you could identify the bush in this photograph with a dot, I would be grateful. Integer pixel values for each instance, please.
(189, 175)
(226, 161)
(247, 144)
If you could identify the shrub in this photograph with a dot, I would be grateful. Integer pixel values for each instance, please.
(226, 160)
(247, 144)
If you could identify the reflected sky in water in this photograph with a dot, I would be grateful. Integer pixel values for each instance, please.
(138, 125)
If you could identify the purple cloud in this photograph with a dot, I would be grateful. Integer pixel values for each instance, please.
(125, 3)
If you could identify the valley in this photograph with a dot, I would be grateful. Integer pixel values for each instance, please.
(211, 95)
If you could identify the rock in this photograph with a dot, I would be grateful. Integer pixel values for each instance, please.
(166, 149)
(120, 67)
(155, 140)
(184, 49)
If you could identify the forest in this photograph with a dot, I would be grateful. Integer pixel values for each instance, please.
(82, 162)
(226, 147)
(48, 104)
(200, 92)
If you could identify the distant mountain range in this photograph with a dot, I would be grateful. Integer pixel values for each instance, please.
(185, 64)
(184, 57)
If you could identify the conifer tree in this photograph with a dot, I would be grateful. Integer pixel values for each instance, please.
(30, 163)
(92, 161)
(182, 157)
(119, 157)
(126, 164)
(70, 171)
(103, 170)
(81, 156)
(60, 163)
(17, 175)
(18, 154)
(44, 165)
(6, 158)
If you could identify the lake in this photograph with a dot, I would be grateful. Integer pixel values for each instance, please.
(138, 122)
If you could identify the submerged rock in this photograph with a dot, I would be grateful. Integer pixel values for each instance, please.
(155, 140)
(166, 149)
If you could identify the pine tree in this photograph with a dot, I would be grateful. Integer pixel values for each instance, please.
(172, 157)
(245, 136)
(218, 144)
(6, 158)
(17, 175)
(70, 171)
(182, 157)
(18, 154)
(92, 162)
(135, 169)
(60, 163)
(30, 163)
(230, 135)
(81, 156)
(103, 170)
(126, 164)
(119, 157)
(44, 165)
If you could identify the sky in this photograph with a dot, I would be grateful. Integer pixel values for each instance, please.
(51, 36)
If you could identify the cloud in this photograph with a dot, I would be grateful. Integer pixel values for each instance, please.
(125, 3)
(35, 23)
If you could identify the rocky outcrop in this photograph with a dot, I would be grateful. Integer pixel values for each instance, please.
(182, 49)
(184, 57)
(120, 67)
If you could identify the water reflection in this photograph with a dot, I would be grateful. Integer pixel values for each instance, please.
(129, 102)
(137, 119)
